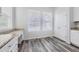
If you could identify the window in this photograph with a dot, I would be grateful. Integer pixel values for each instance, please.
(3, 21)
(47, 21)
(39, 21)
(33, 20)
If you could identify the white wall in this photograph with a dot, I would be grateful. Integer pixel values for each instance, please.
(21, 21)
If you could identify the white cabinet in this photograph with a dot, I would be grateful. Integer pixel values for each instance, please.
(10, 46)
(76, 14)
(61, 23)
(75, 37)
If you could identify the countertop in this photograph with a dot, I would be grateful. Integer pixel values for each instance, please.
(6, 37)
(77, 29)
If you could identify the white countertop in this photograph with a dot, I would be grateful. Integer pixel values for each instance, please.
(5, 38)
(75, 30)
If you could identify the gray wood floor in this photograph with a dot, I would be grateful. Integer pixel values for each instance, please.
(48, 44)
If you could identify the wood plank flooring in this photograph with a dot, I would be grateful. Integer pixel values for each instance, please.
(48, 44)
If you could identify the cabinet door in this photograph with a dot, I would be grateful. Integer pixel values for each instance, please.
(76, 13)
(14, 48)
(61, 24)
(75, 37)
(10, 45)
